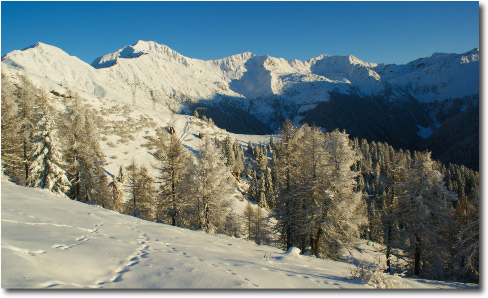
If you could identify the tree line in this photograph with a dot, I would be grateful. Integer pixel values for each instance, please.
(327, 190)
(324, 190)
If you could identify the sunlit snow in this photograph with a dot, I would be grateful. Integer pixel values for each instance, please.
(52, 242)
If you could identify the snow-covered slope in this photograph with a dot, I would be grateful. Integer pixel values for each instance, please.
(438, 77)
(52, 242)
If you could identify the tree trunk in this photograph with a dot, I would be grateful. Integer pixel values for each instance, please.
(26, 164)
(317, 242)
(417, 256)
(388, 249)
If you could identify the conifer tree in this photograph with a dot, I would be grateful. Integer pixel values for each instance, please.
(145, 195)
(132, 185)
(141, 190)
(12, 161)
(26, 117)
(45, 170)
(423, 209)
(239, 160)
(174, 162)
(287, 171)
(95, 179)
(117, 193)
(212, 184)
(345, 210)
(249, 218)
(83, 154)
(250, 148)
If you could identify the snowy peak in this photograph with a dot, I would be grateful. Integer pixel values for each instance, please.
(136, 50)
(40, 46)
(36, 49)
(350, 70)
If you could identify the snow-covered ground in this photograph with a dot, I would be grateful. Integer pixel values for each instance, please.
(52, 242)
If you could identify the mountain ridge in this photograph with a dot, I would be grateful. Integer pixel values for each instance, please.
(270, 89)
(428, 79)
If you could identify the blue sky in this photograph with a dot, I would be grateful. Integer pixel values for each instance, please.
(391, 32)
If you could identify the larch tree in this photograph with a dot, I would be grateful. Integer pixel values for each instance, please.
(346, 211)
(12, 162)
(96, 183)
(314, 187)
(83, 154)
(423, 211)
(212, 184)
(26, 116)
(249, 217)
(288, 200)
(132, 184)
(146, 195)
(117, 192)
(141, 192)
(173, 164)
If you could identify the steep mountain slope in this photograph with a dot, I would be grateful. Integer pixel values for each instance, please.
(92, 247)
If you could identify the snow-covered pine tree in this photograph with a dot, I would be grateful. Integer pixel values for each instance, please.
(211, 186)
(261, 197)
(250, 148)
(45, 170)
(228, 151)
(258, 183)
(346, 213)
(269, 189)
(239, 160)
(423, 211)
(252, 191)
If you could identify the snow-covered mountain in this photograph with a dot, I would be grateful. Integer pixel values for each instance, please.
(52, 242)
(265, 89)
(247, 76)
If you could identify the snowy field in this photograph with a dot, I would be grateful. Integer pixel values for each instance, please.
(52, 242)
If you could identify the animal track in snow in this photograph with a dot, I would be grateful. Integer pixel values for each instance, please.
(78, 241)
(141, 253)
(24, 251)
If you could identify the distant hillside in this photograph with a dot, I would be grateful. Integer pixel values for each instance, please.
(457, 139)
